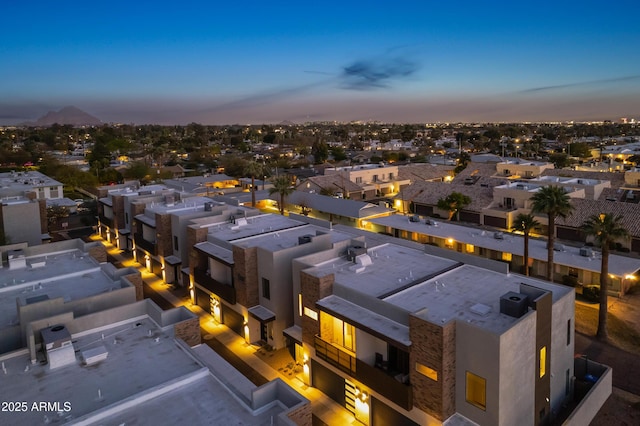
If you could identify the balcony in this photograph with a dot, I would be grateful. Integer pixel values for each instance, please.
(106, 221)
(144, 244)
(226, 292)
(381, 381)
(384, 383)
(335, 356)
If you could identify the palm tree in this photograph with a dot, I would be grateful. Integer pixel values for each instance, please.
(253, 169)
(605, 228)
(281, 186)
(554, 202)
(525, 223)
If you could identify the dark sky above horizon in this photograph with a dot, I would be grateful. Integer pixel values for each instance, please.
(256, 62)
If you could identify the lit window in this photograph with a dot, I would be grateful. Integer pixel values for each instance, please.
(300, 304)
(543, 361)
(506, 256)
(470, 248)
(311, 313)
(337, 331)
(476, 392)
(426, 371)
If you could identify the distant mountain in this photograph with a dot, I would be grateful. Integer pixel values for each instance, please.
(68, 115)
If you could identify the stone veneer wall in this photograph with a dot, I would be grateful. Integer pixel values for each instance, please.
(196, 235)
(44, 225)
(313, 289)
(189, 331)
(164, 243)
(117, 205)
(302, 416)
(245, 275)
(136, 281)
(433, 346)
(98, 252)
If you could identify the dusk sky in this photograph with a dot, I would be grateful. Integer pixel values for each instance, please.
(264, 62)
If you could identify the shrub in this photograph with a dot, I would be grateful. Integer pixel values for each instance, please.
(569, 280)
(591, 293)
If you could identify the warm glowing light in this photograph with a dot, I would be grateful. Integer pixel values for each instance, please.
(629, 277)
(448, 178)
(450, 241)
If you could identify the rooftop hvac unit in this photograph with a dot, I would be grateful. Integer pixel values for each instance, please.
(414, 218)
(430, 222)
(208, 206)
(498, 235)
(586, 251)
(514, 304)
(558, 247)
(58, 346)
(355, 251)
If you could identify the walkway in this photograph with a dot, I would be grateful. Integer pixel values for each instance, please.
(232, 347)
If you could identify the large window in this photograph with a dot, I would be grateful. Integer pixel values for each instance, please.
(266, 289)
(338, 332)
(476, 391)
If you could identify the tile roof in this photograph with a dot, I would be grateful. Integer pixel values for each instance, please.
(430, 192)
(583, 209)
(334, 182)
(424, 171)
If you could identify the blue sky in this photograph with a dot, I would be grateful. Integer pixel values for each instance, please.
(255, 62)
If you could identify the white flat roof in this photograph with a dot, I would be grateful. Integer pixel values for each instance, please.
(71, 275)
(147, 379)
(513, 243)
(438, 289)
(254, 226)
(393, 267)
(286, 238)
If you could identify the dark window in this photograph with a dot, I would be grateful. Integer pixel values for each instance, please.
(175, 243)
(266, 289)
(568, 331)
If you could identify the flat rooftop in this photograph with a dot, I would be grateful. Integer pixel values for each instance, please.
(252, 226)
(437, 289)
(146, 379)
(392, 268)
(513, 243)
(26, 180)
(451, 296)
(187, 205)
(71, 275)
(278, 240)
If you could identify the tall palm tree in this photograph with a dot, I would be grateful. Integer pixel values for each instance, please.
(606, 229)
(554, 202)
(253, 169)
(525, 223)
(282, 187)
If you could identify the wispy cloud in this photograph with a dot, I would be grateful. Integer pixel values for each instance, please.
(376, 74)
(581, 84)
(361, 74)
